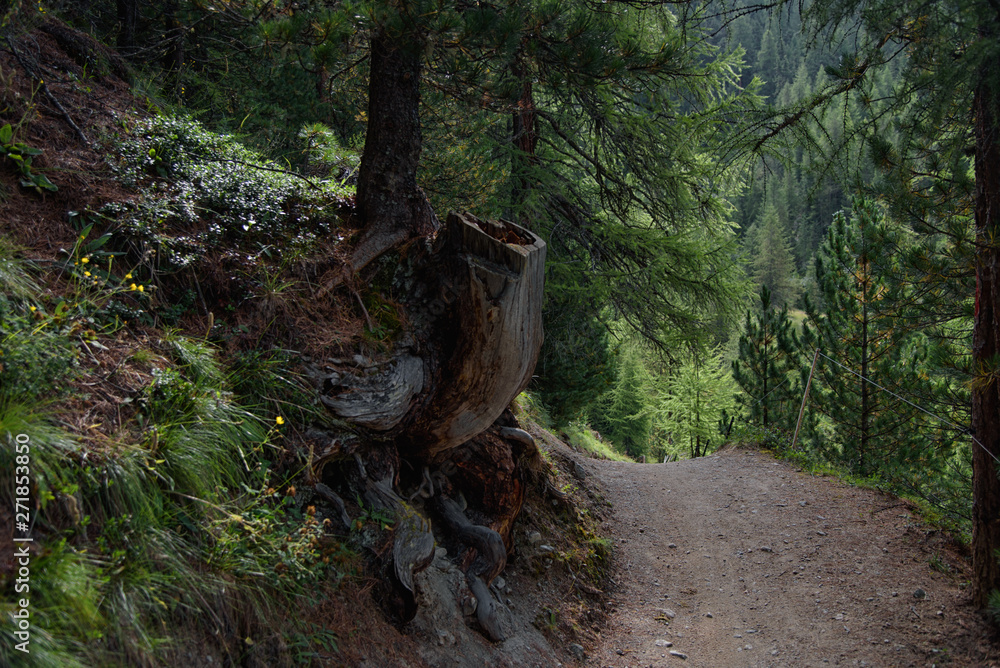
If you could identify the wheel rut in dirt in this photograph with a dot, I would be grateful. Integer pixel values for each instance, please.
(739, 559)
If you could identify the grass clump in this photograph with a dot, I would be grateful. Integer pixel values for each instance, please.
(181, 519)
(585, 439)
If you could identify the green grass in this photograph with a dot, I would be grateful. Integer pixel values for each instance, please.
(585, 439)
(184, 518)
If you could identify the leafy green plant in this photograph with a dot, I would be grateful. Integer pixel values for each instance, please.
(22, 156)
(219, 191)
(303, 645)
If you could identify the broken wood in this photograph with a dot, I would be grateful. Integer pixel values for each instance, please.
(377, 396)
(488, 334)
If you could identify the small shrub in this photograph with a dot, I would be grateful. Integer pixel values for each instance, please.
(200, 189)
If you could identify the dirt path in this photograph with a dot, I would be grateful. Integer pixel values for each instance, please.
(741, 560)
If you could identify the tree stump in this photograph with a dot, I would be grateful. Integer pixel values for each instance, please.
(487, 338)
(476, 302)
(473, 299)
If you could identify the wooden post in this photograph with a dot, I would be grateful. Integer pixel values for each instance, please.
(805, 395)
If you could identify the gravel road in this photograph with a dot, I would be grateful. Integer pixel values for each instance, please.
(738, 559)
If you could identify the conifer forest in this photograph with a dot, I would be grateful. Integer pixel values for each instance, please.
(289, 290)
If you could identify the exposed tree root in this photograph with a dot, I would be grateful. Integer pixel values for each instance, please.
(491, 557)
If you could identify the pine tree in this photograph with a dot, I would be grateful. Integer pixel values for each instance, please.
(858, 326)
(766, 364)
(624, 413)
(945, 55)
(773, 263)
(695, 398)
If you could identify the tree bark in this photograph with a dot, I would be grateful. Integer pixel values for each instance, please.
(392, 206)
(525, 139)
(986, 336)
(128, 16)
(487, 338)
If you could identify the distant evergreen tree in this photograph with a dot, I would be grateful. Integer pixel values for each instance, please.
(768, 61)
(768, 358)
(772, 260)
(624, 413)
(577, 361)
(696, 397)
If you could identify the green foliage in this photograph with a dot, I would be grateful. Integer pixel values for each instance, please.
(577, 362)
(883, 366)
(770, 437)
(50, 448)
(267, 384)
(583, 438)
(22, 156)
(64, 581)
(33, 362)
(527, 407)
(16, 281)
(624, 414)
(64, 618)
(695, 398)
(219, 192)
(608, 156)
(303, 644)
(186, 519)
(272, 535)
(773, 264)
(768, 359)
(324, 154)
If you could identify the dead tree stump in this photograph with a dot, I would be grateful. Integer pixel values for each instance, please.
(473, 298)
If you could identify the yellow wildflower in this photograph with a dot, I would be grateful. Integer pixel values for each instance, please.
(86, 273)
(280, 420)
(85, 260)
(140, 288)
(132, 287)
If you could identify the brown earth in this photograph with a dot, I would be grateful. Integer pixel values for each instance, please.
(739, 559)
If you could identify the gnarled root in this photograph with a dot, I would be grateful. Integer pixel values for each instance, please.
(491, 557)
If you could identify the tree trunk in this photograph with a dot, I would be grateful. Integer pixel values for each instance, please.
(392, 206)
(525, 139)
(986, 337)
(865, 436)
(128, 16)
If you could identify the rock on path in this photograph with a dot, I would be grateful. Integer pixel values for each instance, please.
(740, 560)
